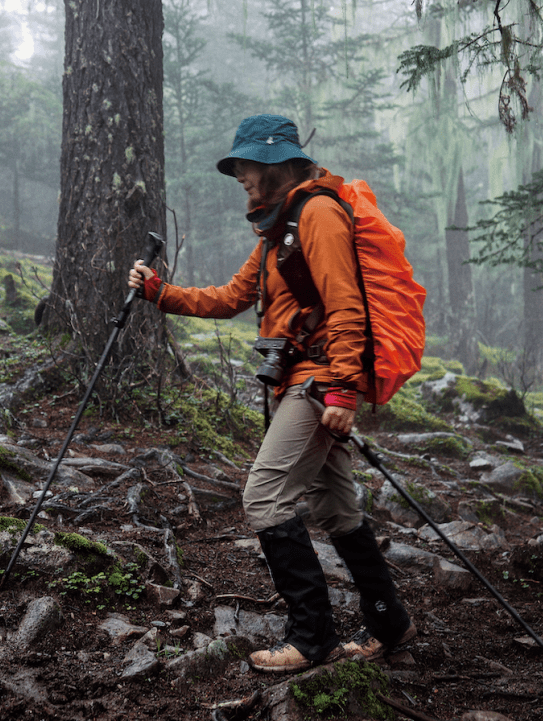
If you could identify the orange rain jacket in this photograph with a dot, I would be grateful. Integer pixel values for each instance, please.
(326, 236)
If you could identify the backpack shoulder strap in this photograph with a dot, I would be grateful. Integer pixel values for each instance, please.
(291, 263)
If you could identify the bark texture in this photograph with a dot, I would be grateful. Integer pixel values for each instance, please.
(112, 171)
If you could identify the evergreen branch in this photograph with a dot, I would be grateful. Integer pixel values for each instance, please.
(514, 234)
(421, 60)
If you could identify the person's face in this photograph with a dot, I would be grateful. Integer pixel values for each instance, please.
(249, 173)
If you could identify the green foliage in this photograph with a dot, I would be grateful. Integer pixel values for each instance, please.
(211, 420)
(328, 693)
(478, 392)
(18, 525)
(418, 493)
(512, 234)
(31, 281)
(531, 481)
(505, 43)
(453, 447)
(122, 581)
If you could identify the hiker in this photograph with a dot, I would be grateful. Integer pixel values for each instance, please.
(301, 454)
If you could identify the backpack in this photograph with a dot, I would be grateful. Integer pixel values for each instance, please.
(393, 301)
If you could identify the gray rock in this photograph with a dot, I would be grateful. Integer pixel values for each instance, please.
(435, 389)
(467, 536)
(120, 629)
(254, 626)
(483, 461)
(152, 640)
(113, 448)
(162, 596)
(39, 470)
(201, 640)
(25, 684)
(42, 616)
(466, 513)
(504, 478)
(209, 661)
(449, 575)
(411, 439)
(16, 491)
(512, 444)
(180, 632)
(403, 555)
(391, 501)
(142, 662)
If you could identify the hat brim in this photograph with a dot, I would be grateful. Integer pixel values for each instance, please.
(262, 153)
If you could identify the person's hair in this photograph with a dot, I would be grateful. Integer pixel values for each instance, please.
(279, 179)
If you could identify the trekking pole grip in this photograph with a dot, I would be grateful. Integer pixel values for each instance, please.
(154, 245)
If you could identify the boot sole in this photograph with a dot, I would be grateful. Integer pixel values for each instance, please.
(335, 655)
(294, 668)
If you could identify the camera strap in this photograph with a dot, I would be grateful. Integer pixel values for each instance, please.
(262, 281)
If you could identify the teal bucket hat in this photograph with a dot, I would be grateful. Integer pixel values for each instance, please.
(267, 139)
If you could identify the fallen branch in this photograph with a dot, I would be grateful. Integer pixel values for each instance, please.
(193, 509)
(269, 600)
(418, 715)
(207, 479)
(198, 578)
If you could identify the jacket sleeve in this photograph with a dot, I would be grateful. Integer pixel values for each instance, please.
(326, 236)
(225, 301)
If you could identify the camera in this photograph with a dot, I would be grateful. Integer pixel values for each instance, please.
(277, 352)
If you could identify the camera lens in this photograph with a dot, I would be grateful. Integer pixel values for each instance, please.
(271, 370)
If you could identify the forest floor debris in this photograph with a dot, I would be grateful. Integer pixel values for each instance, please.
(163, 592)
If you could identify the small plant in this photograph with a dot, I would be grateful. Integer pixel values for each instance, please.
(329, 692)
(123, 581)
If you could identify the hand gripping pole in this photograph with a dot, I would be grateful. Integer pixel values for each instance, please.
(154, 245)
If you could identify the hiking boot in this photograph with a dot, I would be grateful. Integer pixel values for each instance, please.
(284, 658)
(364, 644)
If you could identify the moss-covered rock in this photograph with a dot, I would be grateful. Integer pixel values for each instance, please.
(349, 689)
(210, 420)
(8, 462)
(17, 525)
(403, 413)
(80, 545)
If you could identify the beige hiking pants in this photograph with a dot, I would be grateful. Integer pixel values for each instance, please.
(299, 457)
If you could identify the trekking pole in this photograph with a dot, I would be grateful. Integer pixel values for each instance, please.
(155, 243)
(374, 460)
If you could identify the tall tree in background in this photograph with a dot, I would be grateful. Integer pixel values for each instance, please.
(200, 118)
(28, 139)
(112, 171)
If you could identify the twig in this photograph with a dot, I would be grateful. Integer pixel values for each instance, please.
(198, 578)
(192, 506)
(271, 599)
(418, 715)
(207, 479)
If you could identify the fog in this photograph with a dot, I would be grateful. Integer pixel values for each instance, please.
(469, 132)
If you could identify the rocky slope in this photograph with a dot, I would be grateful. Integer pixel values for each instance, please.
(142, 591)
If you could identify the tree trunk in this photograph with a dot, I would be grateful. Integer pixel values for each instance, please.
(461, 300)
(112, 172)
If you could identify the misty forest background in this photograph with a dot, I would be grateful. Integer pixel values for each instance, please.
(438, 106)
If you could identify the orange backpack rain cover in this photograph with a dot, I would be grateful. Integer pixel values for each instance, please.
(394, 299)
